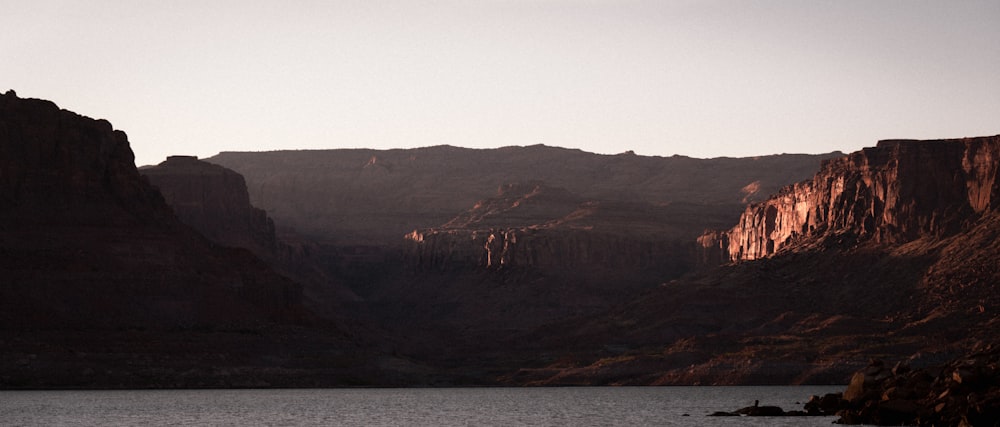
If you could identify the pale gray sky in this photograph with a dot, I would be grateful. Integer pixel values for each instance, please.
(697, 78)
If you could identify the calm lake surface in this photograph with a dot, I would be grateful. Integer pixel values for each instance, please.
(571, 406)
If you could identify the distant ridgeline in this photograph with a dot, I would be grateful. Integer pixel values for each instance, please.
(529, 206)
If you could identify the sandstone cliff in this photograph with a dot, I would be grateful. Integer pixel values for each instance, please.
(893, 193)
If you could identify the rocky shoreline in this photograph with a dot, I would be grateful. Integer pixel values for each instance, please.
(964, 392)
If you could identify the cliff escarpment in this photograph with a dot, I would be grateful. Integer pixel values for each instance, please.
(59, 168)
(87, 241)
(895, 192)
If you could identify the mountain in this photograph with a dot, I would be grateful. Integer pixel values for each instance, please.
(457, 252)
(104, 287)
(519, 266)
(888, 252)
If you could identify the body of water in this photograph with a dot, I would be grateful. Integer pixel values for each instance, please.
(564, 406)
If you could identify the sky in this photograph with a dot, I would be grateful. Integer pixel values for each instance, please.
(705, 79)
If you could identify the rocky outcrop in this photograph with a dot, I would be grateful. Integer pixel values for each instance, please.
(712, 248)
(214, 200)
(964, 392)
(893, 193)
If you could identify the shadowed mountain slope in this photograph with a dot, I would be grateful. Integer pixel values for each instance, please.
(102, 286)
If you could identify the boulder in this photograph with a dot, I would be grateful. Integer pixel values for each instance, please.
(963, 392)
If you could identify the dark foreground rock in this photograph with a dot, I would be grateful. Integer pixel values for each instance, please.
(965, 392)
(761, 411)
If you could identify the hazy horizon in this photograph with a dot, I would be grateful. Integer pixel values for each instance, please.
(702, 79)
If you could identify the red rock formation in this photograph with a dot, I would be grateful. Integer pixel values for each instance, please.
(892, 193)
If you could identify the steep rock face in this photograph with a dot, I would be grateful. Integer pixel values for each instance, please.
(52, 160)
(214, 200)
(892, 193)
(86, 241)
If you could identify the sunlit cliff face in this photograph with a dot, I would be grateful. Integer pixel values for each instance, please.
(895, 192)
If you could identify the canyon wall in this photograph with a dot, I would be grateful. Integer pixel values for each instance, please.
(896, 192)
